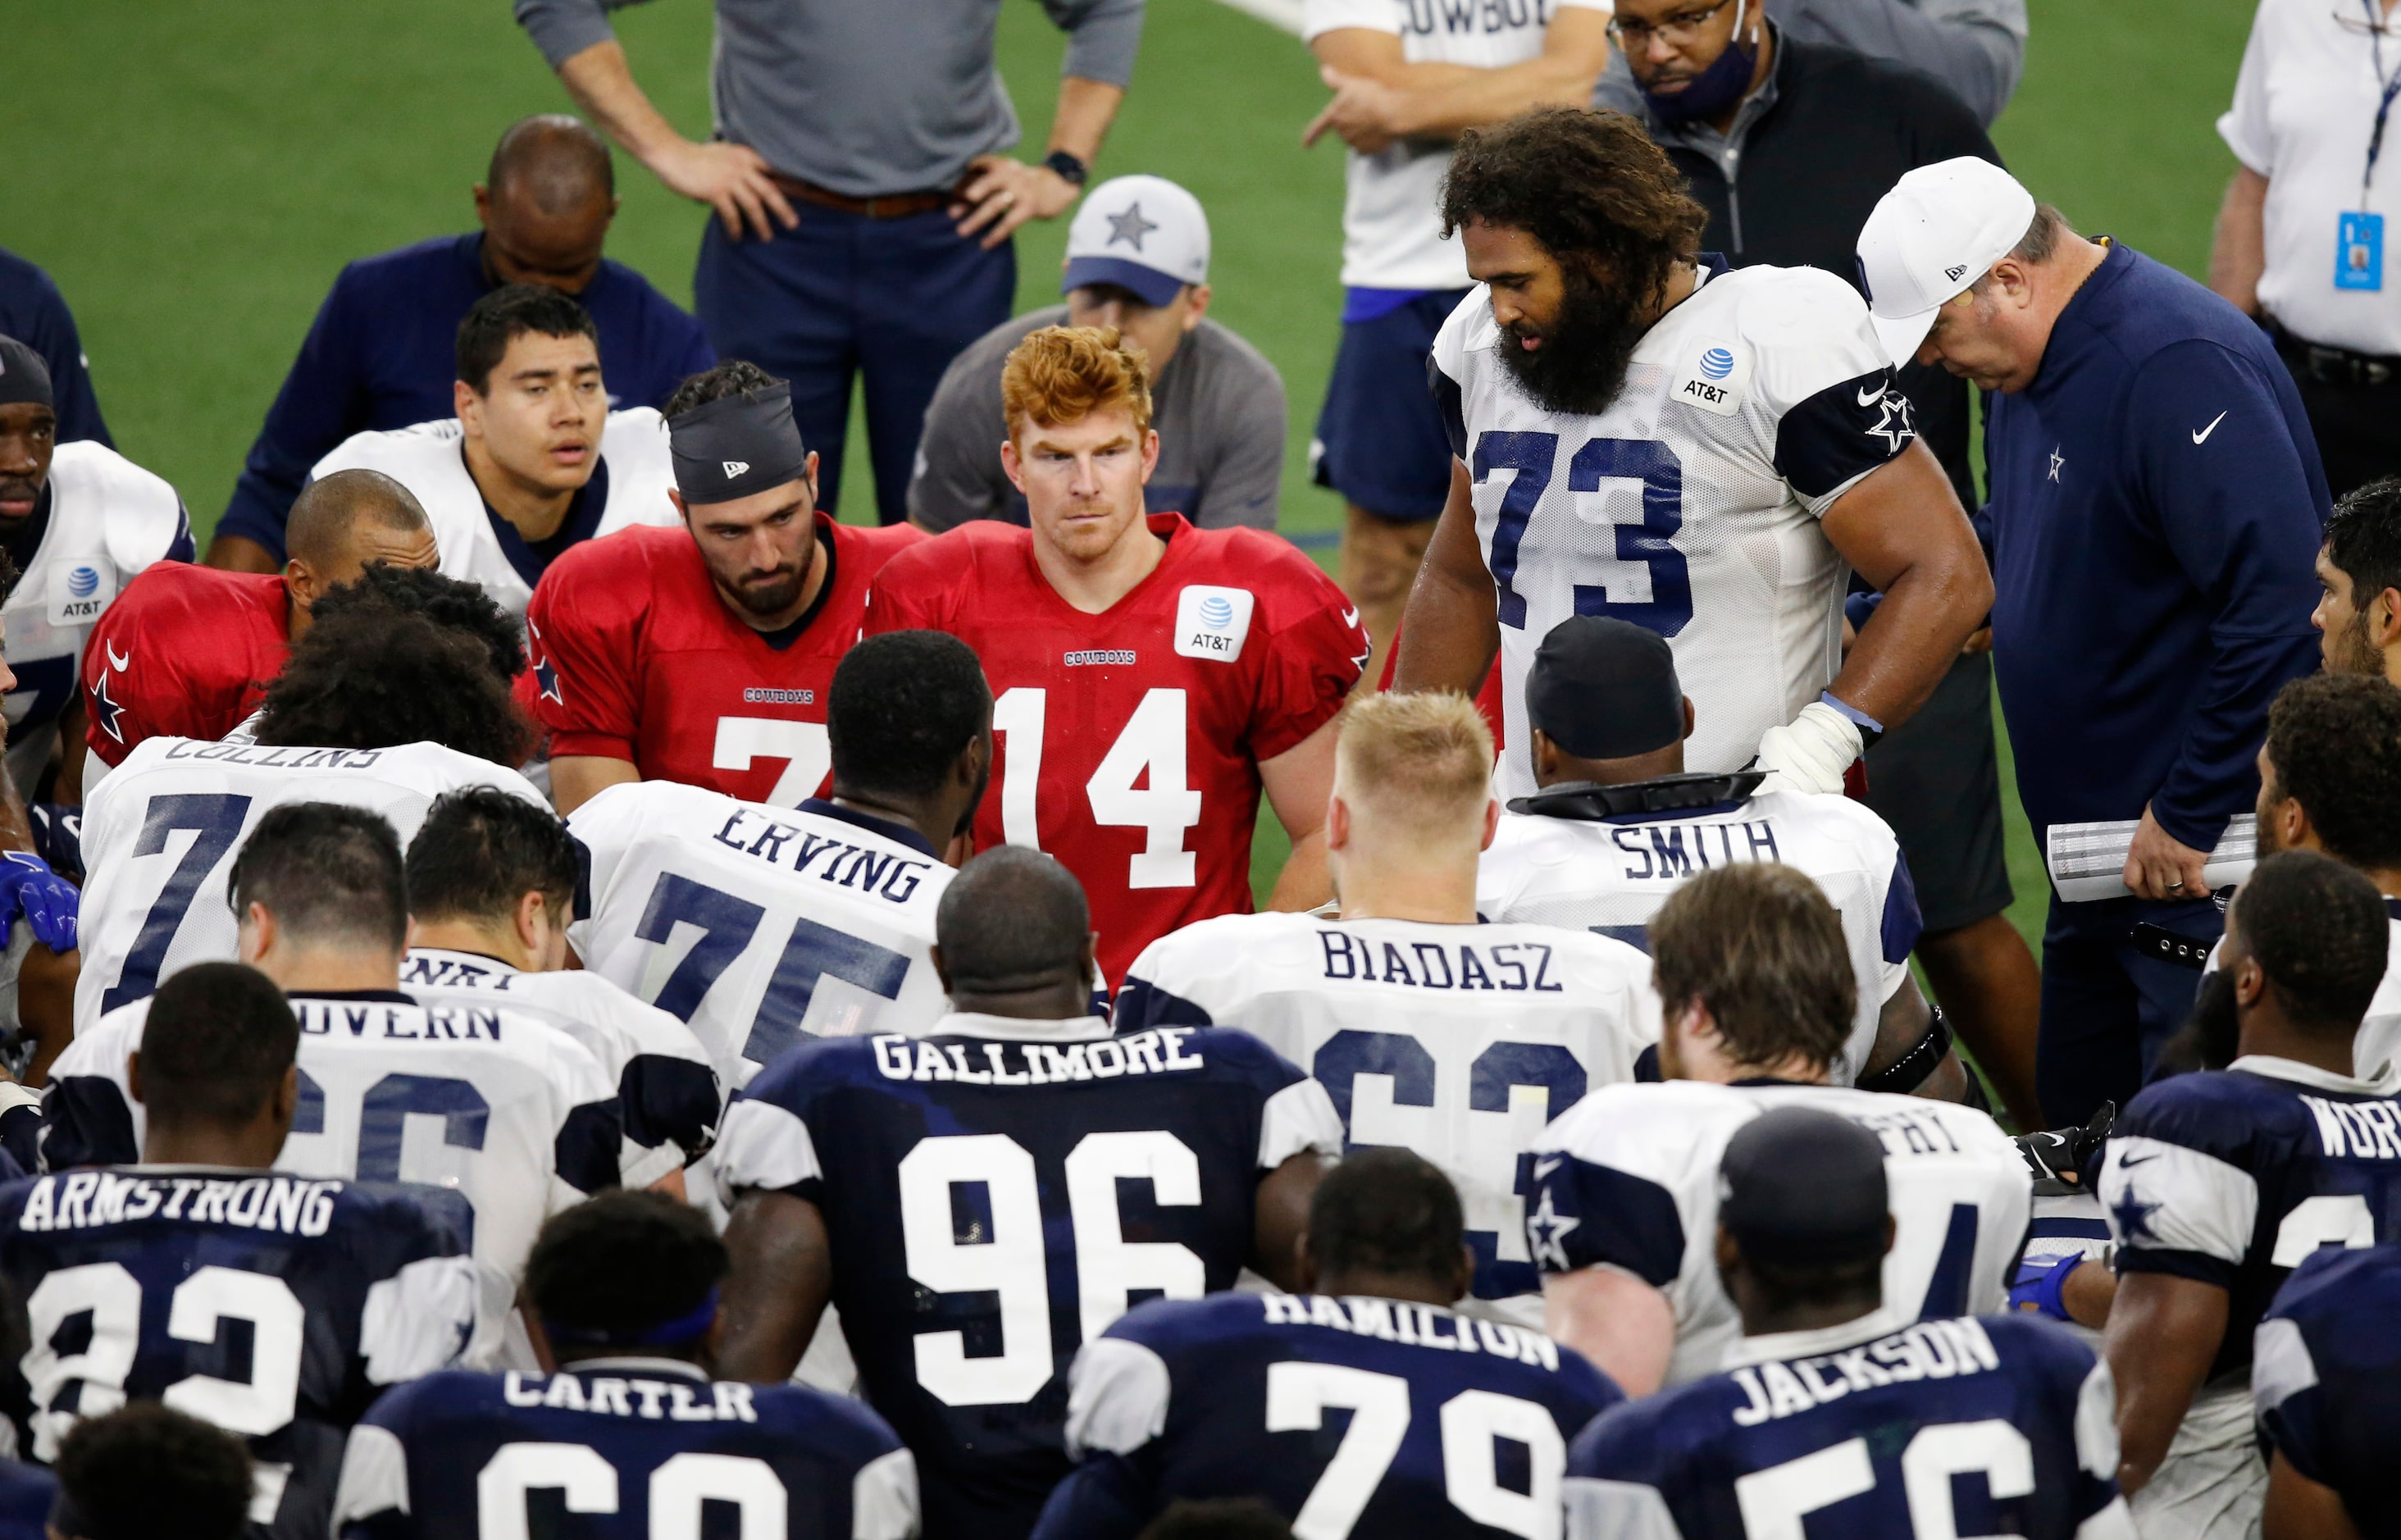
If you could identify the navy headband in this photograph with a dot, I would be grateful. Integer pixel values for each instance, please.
(23, 376)
(735, 445)
(691, 1327)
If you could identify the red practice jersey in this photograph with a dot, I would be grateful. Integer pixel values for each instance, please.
(1130, 741)
(184, 653)
(635, 657)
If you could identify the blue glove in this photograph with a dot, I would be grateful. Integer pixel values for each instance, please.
(48, 900)
(2040, 1281)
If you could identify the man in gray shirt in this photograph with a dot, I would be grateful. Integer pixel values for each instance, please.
(1138, 260)
(864, 208)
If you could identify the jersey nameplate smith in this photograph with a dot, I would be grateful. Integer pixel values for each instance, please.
(1212, 621)
(1713, 377)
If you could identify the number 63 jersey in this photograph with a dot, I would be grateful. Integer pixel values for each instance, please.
(1691, 505)
(1130, 741)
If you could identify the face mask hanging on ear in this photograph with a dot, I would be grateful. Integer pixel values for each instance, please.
(1715, 89)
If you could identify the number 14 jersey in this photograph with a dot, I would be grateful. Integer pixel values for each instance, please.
(1691, 505)
(1130, 741)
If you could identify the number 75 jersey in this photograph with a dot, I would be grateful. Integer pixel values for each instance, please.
(1130, 741)
(1691, 505)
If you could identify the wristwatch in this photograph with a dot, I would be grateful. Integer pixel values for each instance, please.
(1071, 170)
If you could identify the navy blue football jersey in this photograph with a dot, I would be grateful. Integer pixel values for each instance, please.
(2325, 1377)
(273, 1305)
(1358, 1417)
(631, 1449)
(1992, 1424)
(2233, 1176)
(26, 1494)
(998, 1193)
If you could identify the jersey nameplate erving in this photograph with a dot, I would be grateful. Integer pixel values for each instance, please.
(1211, 622)
(1712, 377)
(79, 593)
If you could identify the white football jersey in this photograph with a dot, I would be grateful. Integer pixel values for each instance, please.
(1392, 206)
(665, 1084)
(629, 487)
(1629, 1179)
(512, 1115)
(760, 926)
(1691, 505)
(107, 519)
(1457, 1041)
(2376, 1047)
(1612, 876)
(161, 834)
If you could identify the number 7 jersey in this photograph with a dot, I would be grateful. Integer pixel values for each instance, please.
(1691, 505)
(1130, 741)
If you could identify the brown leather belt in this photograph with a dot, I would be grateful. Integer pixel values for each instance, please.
(889, 206)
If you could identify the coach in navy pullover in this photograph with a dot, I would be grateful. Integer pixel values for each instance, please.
(381, 352)
(2154, 515)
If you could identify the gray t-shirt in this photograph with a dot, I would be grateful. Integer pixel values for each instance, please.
(1218, 407)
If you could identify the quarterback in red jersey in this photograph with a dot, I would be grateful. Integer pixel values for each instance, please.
(1148, 678)
(703, 655)
(187, 651)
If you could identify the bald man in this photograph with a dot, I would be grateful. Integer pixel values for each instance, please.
(187, 651)
(380, 353)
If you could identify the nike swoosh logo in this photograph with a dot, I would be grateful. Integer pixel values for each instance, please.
(1351, 617)
(1543, 1168)
(114, 661)
(2202, 437)
(2131, 1162)
(1869, 398)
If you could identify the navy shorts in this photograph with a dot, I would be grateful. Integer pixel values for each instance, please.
(1380, 436)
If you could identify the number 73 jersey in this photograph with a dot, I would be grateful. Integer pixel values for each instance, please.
(1130, 741)
(1691, 505)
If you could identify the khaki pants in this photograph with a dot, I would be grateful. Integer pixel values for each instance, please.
(2212, 1483)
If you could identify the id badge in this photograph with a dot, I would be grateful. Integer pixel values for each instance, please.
(2359, 251)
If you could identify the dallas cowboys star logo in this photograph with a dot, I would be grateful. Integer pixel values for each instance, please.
(106, 710)
(547, 677)
(1894, 426)
(2057, 460)
(1128, 226)
(1545, 1228)
(2132, 1217)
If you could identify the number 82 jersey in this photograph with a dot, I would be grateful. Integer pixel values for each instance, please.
(1690, 506)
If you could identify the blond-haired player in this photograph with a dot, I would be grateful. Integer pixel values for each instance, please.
(1456, 1039)
(1149, 679)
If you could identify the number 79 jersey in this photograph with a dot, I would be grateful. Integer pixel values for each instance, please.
(1130, 741)
(1691, 505)
(1629, 1179)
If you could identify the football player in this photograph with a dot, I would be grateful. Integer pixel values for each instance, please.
(149, 1469)
(378, 707)
(1756, 988)
(1638, 432)
(627, 1417)
(981, 1199)
(1617, 824)
(491, 890)
(2216, 1183)
(2321, 1386)
(187, 651)
(702, 655)
(818, 922)
(1150, 678)
(2359, 579)
(80, 521)
(1453, 1038)
(339, 1287)
(1829, 1413)
(534, 461)
(1237, 1396)
(513, 1115)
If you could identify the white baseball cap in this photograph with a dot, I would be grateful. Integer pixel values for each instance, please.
(1142, 233)
(1931, 238)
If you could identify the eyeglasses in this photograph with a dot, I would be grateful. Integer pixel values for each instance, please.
(1677, 30)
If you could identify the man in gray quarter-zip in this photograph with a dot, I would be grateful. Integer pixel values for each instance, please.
(864, 206)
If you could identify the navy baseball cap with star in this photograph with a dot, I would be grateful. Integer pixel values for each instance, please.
(1140, 233)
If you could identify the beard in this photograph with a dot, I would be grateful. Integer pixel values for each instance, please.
(2348, 650)
(2211, 1038)
(1581, 365)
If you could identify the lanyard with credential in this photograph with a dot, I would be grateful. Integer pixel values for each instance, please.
(2359, 238)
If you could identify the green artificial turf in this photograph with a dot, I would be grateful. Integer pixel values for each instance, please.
(194, 176)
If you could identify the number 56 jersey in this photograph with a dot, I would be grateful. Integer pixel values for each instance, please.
(1691, 505)
(1130, 742)
(1457, 1041)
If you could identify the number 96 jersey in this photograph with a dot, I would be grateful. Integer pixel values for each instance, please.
(1130, 741)
(1691, 505)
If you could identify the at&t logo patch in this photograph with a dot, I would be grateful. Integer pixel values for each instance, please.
(1212, 621)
